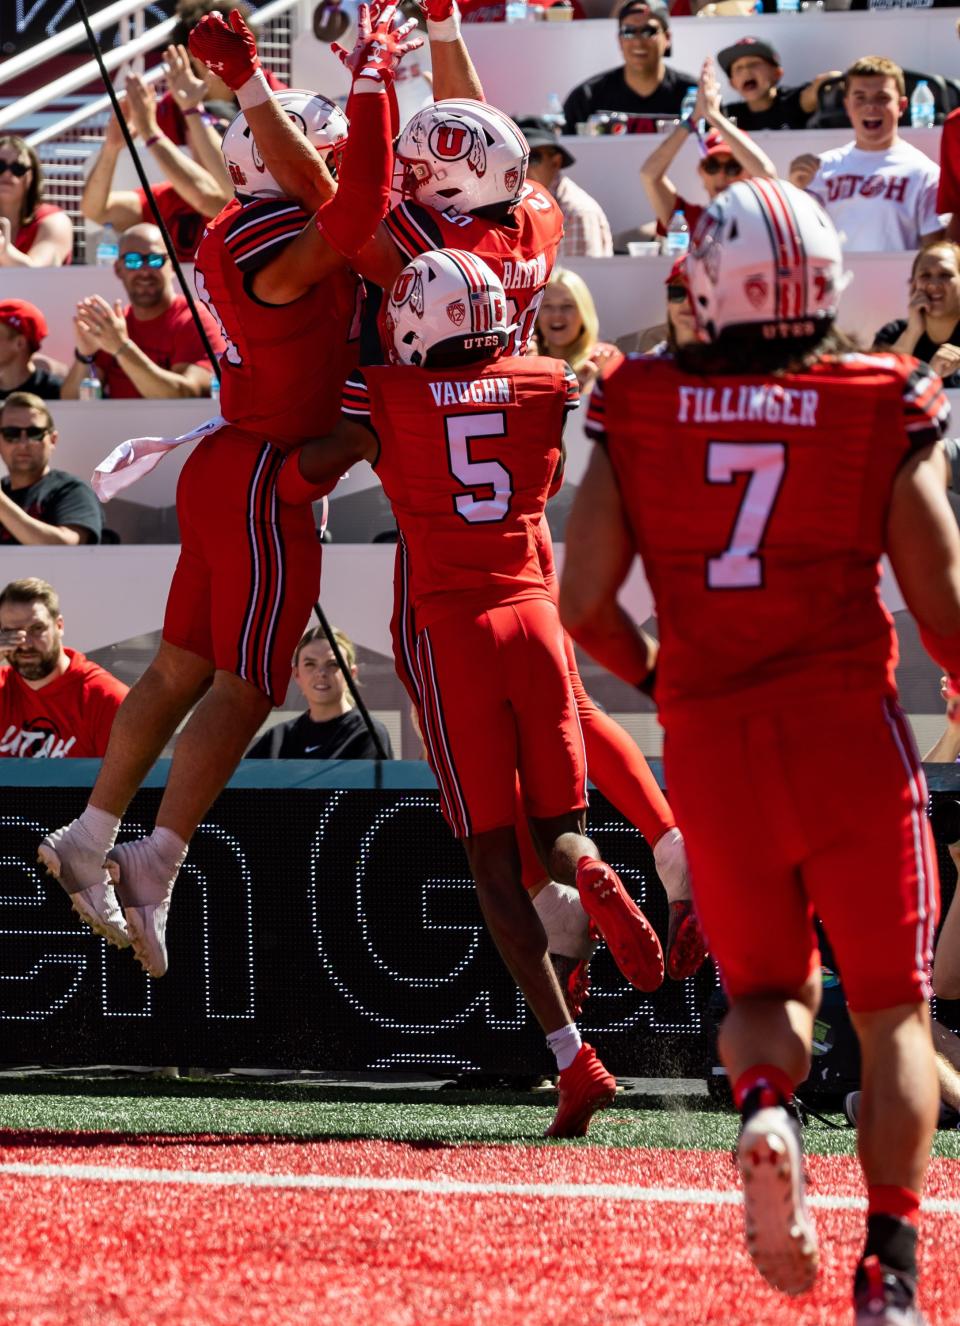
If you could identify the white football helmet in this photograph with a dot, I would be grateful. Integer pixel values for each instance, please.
(445, 301)
(765, 256)
(462, 154)
(319, 120)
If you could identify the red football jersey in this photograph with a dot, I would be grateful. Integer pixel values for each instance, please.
(521, 250)
(69, 717)
(169, 340)
(284, 364)
(758, 506)
(467, 456)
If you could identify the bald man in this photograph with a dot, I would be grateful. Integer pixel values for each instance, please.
(151, 348)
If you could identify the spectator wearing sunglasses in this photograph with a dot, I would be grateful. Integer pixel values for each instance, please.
(151, 348)
(195, 189)
(39, 505)
(32, 233)
(643, 84)
(586, 230)
(680, 328)
(754, 69)
(22, 331)
(727, 155)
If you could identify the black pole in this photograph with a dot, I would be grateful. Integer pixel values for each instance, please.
(351, 683)
(145, 185)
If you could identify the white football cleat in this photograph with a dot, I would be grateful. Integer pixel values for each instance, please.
(781, 1237)
(79, 868)
(138, 876)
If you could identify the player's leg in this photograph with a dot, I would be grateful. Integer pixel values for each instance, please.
(144, 723)
(742, 841)
(462, 671)
(264, 567)
(874, 884)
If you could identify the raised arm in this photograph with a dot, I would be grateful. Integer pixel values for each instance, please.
(454, 74)
(743, 148)
(101, 202)
(660, 191)
(205, 193)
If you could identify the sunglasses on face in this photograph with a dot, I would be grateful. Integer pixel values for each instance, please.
(648, 30)
(713, 167)
(134, 261)
(16, 168)
(33, 433)
(676, 294)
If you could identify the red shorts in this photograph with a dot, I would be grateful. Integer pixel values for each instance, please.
(798, 812)
(495, 700)
(249, 568)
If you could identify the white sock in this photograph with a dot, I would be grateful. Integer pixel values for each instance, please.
(566, 923)
(170, 847)
(100, 827)
(565, 1045)
(670, 859)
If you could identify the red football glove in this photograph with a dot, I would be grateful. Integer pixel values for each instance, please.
(379, 49)
(435, 11)
(229, 50)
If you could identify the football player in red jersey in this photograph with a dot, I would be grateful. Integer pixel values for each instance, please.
(249, 566)
(467, 443)
(464, 183)
(760, 504)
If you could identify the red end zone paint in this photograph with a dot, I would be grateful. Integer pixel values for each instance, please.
(78, 1252)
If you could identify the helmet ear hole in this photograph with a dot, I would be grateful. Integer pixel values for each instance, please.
(734, 230)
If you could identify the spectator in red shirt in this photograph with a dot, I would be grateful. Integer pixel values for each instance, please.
(728, 154)
(54, 703)
(195, 189)
(32, 233)
(23, 329)
(151, 348)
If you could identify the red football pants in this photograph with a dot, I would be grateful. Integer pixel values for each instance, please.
(774, 835)
(249, 567)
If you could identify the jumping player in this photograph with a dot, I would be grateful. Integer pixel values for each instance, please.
(760, 504)
(249, 567)
(467, 442)
(462, 166)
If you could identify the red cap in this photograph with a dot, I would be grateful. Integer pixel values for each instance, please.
(24, 318)
(678, 272)
(715, 145)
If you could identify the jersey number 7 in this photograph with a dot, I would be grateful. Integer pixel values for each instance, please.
(486, 477)
(740, 565)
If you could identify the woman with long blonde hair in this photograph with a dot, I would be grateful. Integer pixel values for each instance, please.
(568, 327)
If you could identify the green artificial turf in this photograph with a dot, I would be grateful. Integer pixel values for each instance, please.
(298, 1110)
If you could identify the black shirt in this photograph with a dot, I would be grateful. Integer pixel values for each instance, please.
(41, 382)
(609, 92)
(924, 349)
(785, 113)
(342, 738)
(56, 499)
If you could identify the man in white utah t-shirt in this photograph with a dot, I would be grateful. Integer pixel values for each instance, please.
(880, 192)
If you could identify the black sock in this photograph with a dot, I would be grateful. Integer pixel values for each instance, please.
(893, 1242)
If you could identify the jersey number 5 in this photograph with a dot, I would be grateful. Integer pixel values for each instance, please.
(486, 477)
(740, 565)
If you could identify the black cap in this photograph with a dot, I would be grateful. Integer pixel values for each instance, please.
(538, 133)
(651, 8)
(746, 46)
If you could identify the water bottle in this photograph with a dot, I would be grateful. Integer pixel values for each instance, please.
(108, 250)
(688, 103)
(677, 239)
(214, 388)
(91, 389)
(923, 106)
(516, 11)
(554, 115)
(788, 6)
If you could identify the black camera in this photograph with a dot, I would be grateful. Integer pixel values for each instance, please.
(945, 820)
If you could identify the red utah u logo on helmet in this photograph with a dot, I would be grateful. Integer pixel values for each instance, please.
(450, 141)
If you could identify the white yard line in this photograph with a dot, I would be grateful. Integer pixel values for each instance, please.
(614, 1192)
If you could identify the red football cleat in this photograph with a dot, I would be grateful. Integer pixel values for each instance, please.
(629, 936)
(585, 1087)
(686, 946)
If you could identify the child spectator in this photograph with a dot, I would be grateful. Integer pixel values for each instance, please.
(754, 69)
(32, 233)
